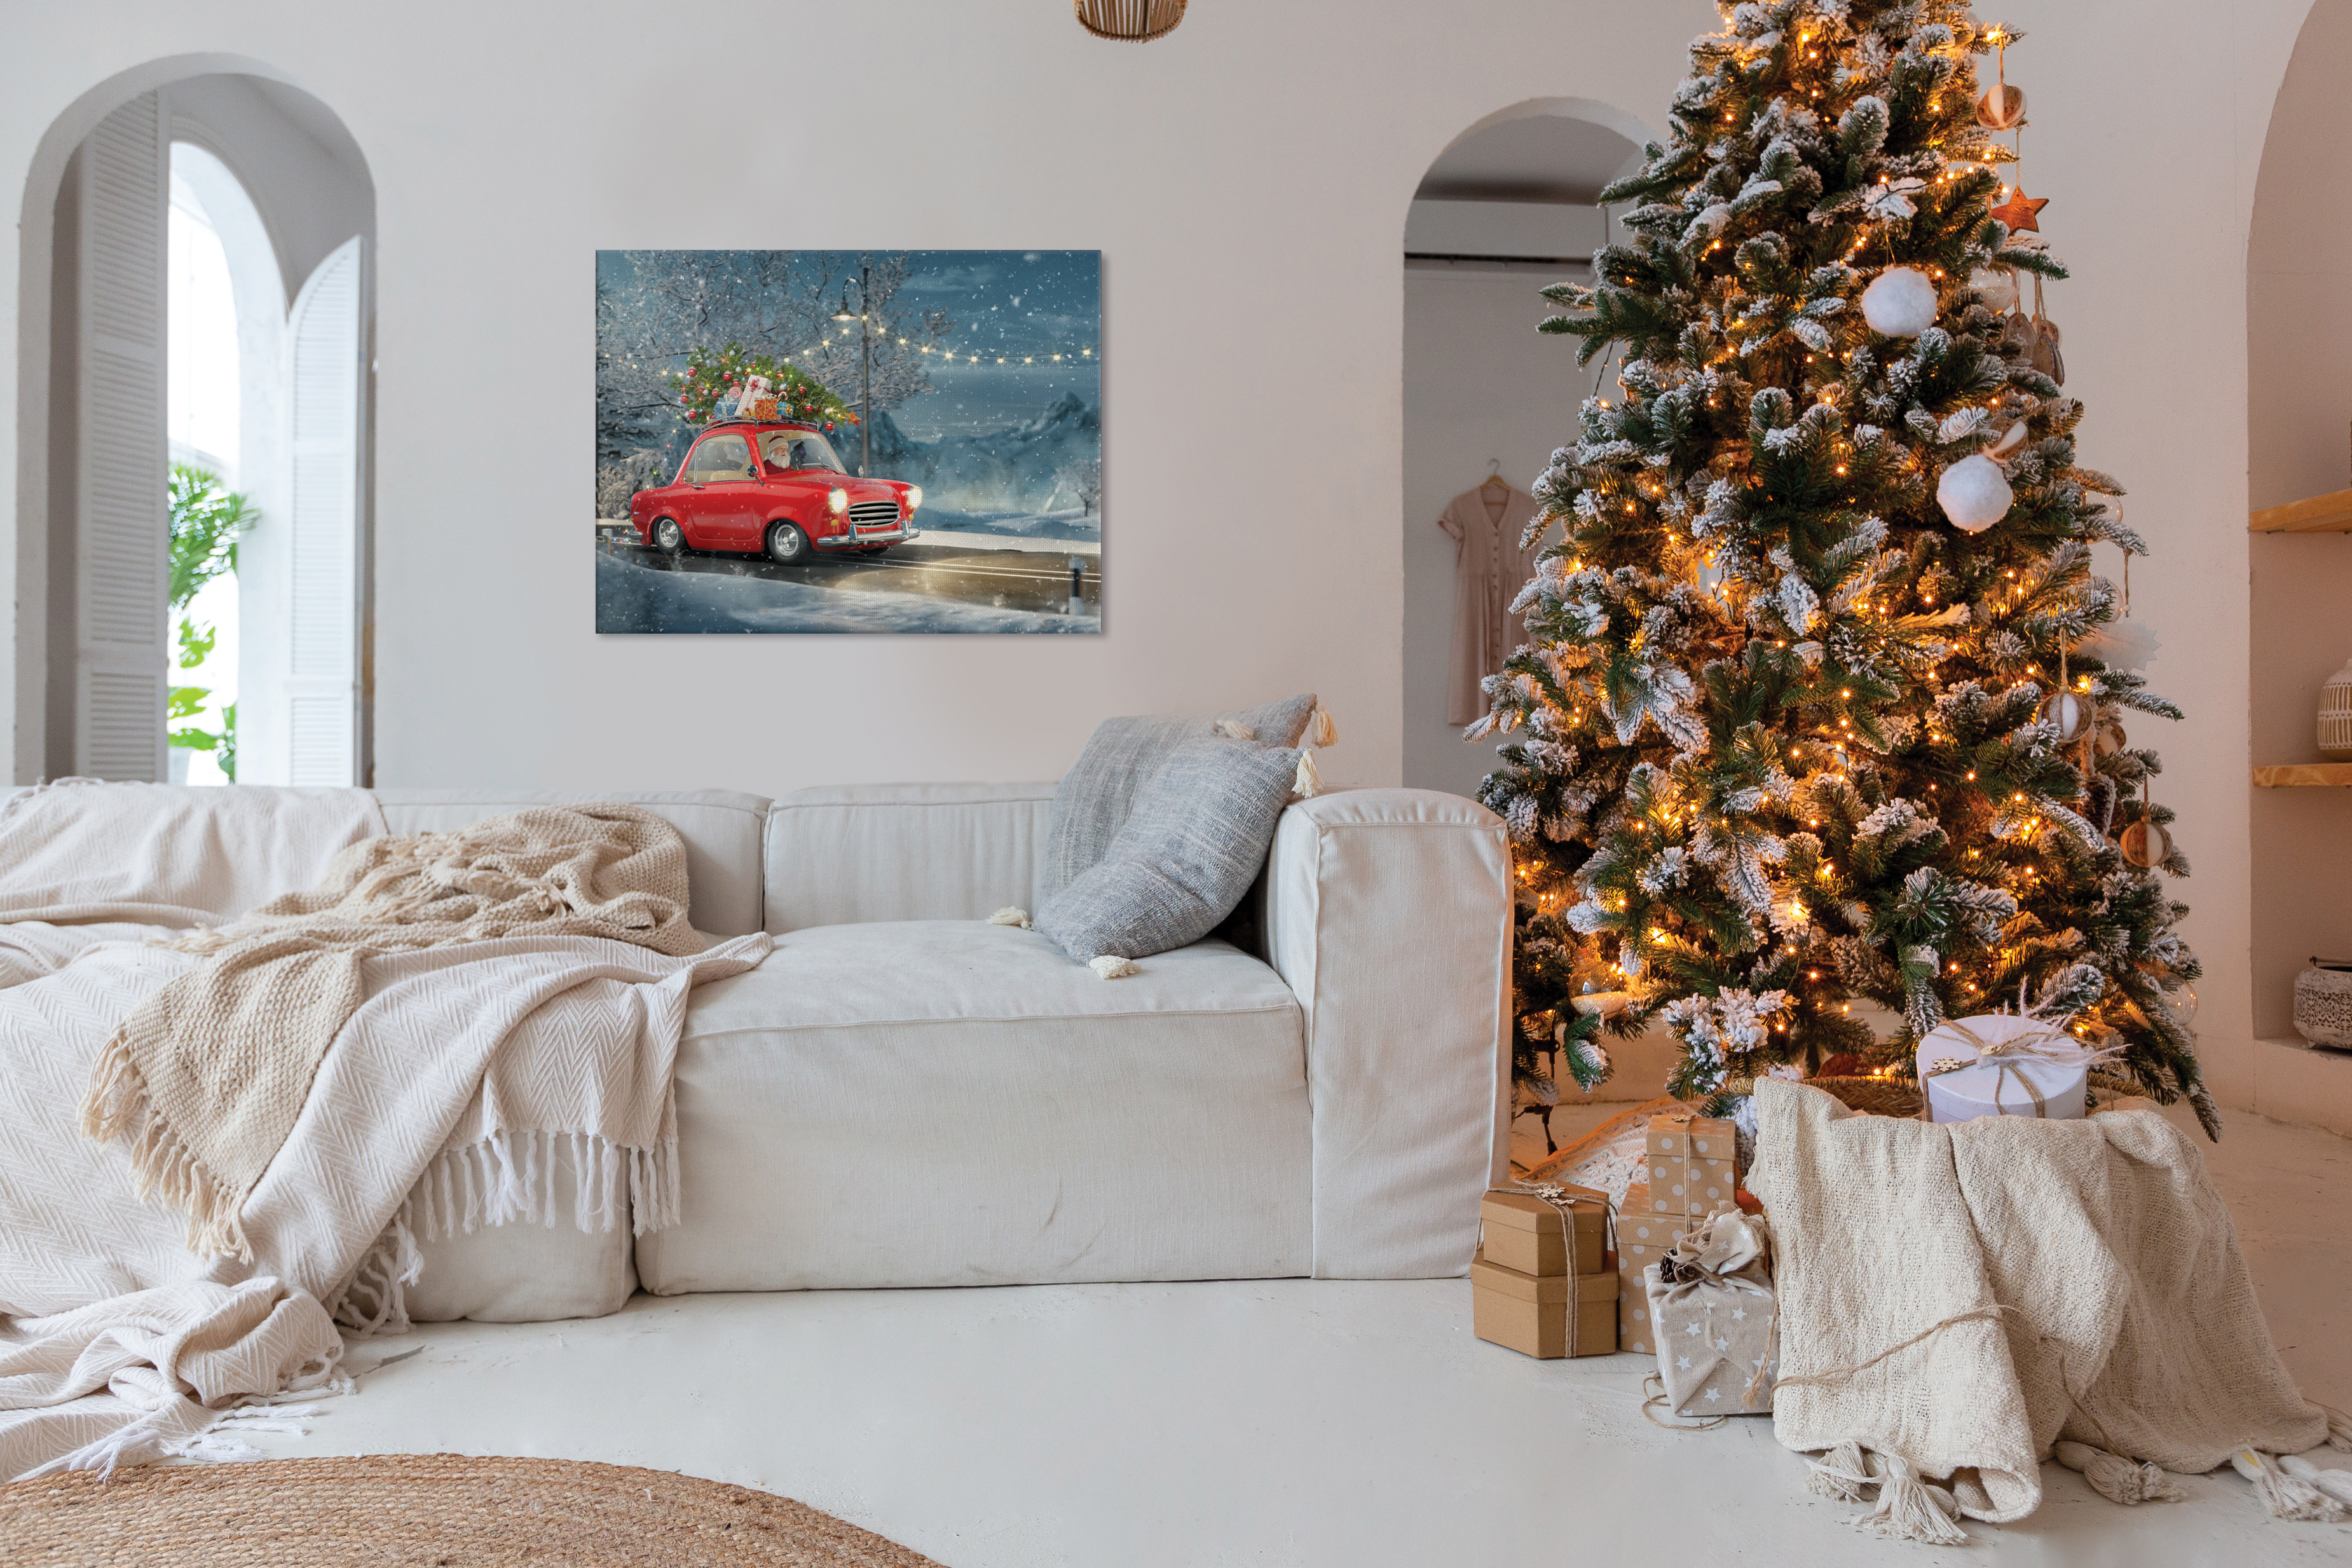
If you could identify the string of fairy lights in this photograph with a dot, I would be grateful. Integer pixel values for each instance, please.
(1079, 356)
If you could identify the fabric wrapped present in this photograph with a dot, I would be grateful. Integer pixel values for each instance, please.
(758, 400)
(1694, 1163)
(1642, 1238)
(1566, 1314)
(1711, 1303)
(1545, 1229)
(2003, 1065)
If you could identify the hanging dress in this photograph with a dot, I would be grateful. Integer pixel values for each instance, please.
(1489, 569)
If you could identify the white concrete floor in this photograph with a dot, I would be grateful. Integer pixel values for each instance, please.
(1281, 1422)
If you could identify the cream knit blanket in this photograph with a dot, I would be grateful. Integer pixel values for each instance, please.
(205, 1079)
(517, 1016)
(2047, 1279)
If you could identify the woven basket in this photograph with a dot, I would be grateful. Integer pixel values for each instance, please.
(1137, 21)
(1877, 1097)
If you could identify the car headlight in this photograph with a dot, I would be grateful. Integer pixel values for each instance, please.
(914, 497)
(838, 500)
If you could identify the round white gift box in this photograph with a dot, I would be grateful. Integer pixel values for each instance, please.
(1998, 1088)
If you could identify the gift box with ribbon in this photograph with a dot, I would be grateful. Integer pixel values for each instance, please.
(1710, 1298)
(1545, 1229)
(1694, 1163)
(1643, 1239)
(1543, 1282)
(1566, 1314)
(2002, 1064)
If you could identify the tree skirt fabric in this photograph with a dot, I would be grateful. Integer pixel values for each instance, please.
(1955, 1298)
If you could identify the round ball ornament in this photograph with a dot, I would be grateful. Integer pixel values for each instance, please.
(2145, 845)
(2110, 739)
(1974, 494)
(1899, 303)
(2069, 714)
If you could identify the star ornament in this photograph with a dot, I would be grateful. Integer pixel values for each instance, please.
(2019, 212)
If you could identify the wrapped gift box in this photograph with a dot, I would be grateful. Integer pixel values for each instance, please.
(1530, 1313)
(1530, 1233)
(1711, 1306)
(2001, 1085)
(1642, 1237)
(1694, 1164)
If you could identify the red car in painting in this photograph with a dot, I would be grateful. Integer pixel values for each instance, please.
(772, 489)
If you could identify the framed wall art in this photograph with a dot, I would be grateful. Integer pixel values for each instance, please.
(849, 441)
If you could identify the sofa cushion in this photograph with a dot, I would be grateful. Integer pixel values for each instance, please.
(860, 852)
(1194, 843)
(949, 1103)
(1092, 802)
(722, 830)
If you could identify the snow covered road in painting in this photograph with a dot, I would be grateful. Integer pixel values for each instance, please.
(632, 598)
(1075, 526)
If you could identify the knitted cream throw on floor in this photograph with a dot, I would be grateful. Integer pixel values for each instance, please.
(206, 1077)
(2085, 1275)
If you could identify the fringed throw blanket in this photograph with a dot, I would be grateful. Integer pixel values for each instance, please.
(205, 1078)
(416, 1045)
(1955, 1299)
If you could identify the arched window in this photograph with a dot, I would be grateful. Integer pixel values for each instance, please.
(210, 292)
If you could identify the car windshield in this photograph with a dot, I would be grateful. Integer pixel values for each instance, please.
(788, 449)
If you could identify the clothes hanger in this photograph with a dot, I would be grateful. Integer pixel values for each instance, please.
(1493, 479)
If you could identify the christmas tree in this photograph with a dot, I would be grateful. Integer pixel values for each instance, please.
(1819, 698)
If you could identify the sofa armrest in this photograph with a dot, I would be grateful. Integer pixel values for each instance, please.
(1388, 912)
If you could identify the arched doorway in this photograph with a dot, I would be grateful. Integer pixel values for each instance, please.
(1510, 205)
(267, 174)
(2299, 408)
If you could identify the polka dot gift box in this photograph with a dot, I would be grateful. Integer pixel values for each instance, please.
(1694, 1164)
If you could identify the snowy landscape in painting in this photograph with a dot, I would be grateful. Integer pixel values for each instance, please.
(972, 376)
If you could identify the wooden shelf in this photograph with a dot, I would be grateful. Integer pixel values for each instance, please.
(2328, 514)
(2292, 775)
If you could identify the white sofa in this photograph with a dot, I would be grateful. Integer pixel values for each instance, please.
(906, 1095)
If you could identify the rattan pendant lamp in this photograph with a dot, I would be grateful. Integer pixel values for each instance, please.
(1135, 20)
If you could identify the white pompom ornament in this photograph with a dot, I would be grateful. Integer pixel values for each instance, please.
(1899, 303)
(1974, 494)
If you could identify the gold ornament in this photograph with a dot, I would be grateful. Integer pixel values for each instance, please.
(2110, 740)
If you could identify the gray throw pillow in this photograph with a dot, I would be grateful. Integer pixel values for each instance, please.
(1094, 797)
(1191, 848)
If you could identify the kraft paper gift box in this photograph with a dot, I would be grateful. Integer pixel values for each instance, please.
(1527, 1231)
(1962, 1083)
(1694, 1164)
(1642, 1238)
(1711, 1304)
(1530, 1313)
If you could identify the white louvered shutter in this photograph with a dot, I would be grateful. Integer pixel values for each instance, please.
(323, 380)
(121, 523)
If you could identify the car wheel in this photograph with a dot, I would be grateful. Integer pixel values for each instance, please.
(669, 537)
(787, 545)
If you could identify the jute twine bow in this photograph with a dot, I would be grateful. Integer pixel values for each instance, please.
(1563, 1203)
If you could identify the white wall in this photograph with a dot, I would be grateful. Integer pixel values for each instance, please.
(1479, 383)
(1247, 178)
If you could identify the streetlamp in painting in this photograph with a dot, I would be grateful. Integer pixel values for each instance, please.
(866, 365)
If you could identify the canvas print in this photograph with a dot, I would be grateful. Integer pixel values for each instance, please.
(849, 441)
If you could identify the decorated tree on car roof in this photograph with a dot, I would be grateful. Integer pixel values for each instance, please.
(1820, 694)
(712, 375)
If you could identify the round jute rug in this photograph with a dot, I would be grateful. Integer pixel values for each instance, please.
(420, 1510)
